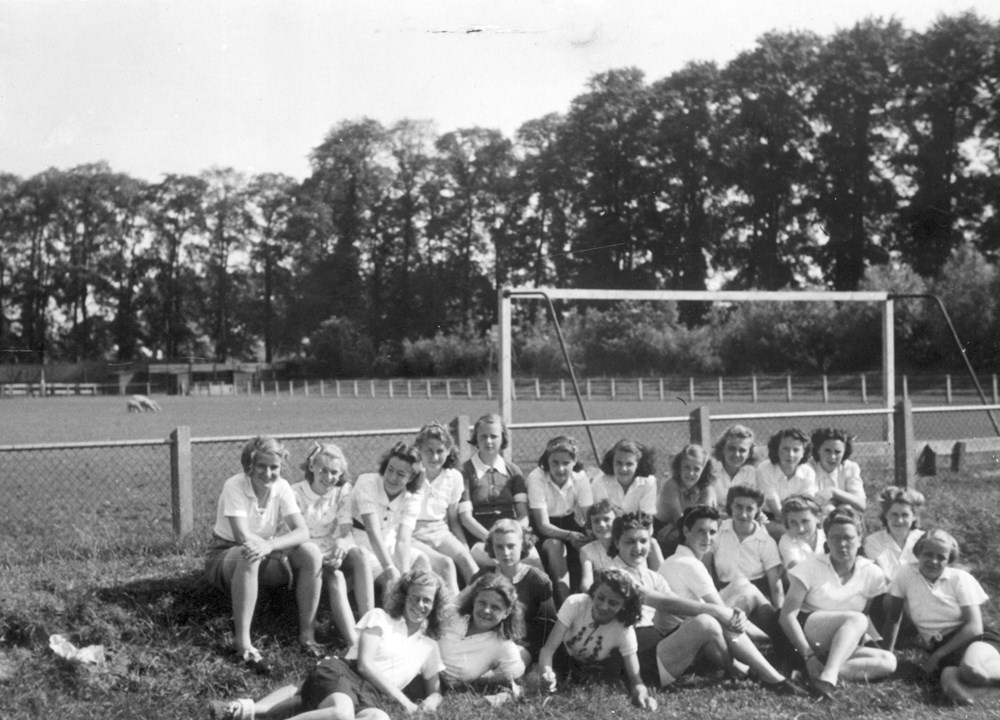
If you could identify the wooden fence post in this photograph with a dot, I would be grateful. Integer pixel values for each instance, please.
(996, 391)
(612, 388)
(947, 389)
(904, 447)
(864, 389)
(562, 389)
(181, 494)
(699, 425)
(538, 389)
(640, 389)
(720, 389)
(391, 391)
(691, 389)
(661, 389)
(826, 390)
(753, 387)
(788, 388)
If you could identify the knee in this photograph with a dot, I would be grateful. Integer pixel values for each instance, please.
(973, 674)
(308, 556)
(553, 548)
(708, 626)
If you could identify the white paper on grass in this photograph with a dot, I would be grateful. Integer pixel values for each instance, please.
(92, 654)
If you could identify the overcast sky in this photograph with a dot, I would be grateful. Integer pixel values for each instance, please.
(157, 86)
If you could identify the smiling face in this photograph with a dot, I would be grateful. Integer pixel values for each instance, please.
(489, 438)
(844, 542)
(327, 471)
(397, 473)
(933, 558)
(606, 604)
(418, 605)
(489, 609)
(507, 549)
(790, 454)
(802, 525)
(690, 469)
(600, 525)
(633, 547)
(561, 466)
(900, 519)
(433, 454)
(831, 454)
(625, 464)
(700, 539)
(266, 469)
(735, 453)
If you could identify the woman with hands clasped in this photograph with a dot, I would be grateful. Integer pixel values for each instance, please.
(246, 549)
(824, 614)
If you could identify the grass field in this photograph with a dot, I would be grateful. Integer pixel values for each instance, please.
(122, 581)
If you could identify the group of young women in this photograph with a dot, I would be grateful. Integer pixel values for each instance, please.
(618, 576)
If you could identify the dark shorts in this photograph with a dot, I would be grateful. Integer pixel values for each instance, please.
(334, 675)
(954, 658)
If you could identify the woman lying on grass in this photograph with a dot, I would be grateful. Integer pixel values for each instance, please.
(594, 636)
(944, 603)
(395, 645)
(246, 549)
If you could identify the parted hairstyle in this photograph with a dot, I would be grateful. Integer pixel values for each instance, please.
(395, 602)
(601, 507)
(645, 466)
(743, 491)
(561, 443)
(508, 525)
(799, 503)
(894, 495)
(493, 418)
(793, 433)
(821, 435)
(620, 583)
(740, 432)
(326, 450)
(512, 626)
(409, 454)
(698, 453)
(261, 445)
(628, 521)
(941, 536)
(437, 431)
(692, 515)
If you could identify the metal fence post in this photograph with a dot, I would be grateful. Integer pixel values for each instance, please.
(904, 447)
(181, 494)
(699, 424)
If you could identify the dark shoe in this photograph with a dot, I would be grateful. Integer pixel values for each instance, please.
(785, 688)
(232, 710)
(824, 690)
(253, 660)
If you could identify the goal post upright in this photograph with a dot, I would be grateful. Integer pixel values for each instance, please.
(508, 294)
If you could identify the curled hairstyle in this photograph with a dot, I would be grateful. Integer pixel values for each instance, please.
(895, 495)
(408, 454)
(821, 435)
(645, 464)
(792, 434)
(601, 507)
(395, 602)
(743, 491)
(697, 453)
(737, 432)
(561, 443)
(799, 503)
(437, 431)
(512, 626)
(620, 583)
(942, 536)
(325, 450)
(507, 525)
(261, 445)
(628, 521)
(488, 419)
(843, 515)
(692, 515)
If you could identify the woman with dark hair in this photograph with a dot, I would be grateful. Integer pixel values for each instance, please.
(838, 478)
(384, 509)
(825, 610)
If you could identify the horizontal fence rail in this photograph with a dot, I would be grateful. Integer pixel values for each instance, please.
(78, 497)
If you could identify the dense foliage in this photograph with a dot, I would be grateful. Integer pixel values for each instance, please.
(866, 159)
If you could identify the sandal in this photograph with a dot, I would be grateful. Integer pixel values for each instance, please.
(313, 649)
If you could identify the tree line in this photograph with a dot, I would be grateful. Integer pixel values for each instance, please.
(868, 158)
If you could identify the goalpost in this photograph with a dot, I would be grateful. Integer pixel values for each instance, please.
(507, 295)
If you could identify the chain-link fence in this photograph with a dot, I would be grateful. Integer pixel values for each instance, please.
(88, 498)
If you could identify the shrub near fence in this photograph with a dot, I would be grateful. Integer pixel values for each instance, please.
(82, 497)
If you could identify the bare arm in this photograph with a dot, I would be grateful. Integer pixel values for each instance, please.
(368, 644)
(972, 626)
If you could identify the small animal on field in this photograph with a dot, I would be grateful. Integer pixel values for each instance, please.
(141, 403)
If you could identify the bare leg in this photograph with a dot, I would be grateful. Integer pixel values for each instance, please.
(675, 653)
(241, 575)
(869, 664)
(362, 579)
(440, 564)
(838, 634)
(742, 648)
(340, 606)
(554, 557)
(307, 562)
(282, 703)
(458, 551)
